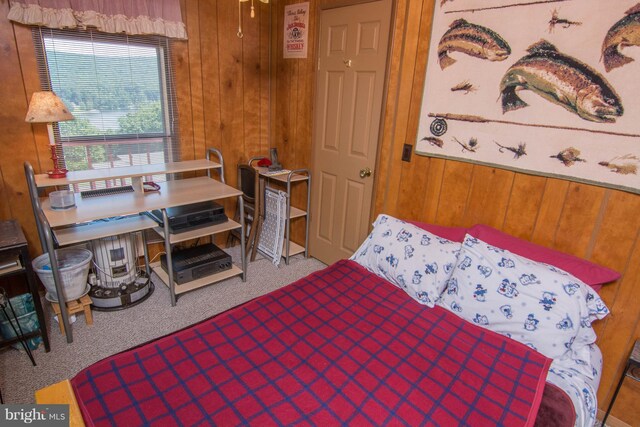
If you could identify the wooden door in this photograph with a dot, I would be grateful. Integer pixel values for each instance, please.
(349, 87)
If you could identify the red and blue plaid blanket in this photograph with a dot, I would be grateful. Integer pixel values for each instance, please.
(341, 346)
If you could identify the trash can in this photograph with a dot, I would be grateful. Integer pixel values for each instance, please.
(73, 264)
(27, 319)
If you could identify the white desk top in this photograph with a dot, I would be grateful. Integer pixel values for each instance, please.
(43, 180)
(172, 193)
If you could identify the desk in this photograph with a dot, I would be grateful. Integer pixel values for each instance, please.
(13, 243)
(172, 193)
(286, 178)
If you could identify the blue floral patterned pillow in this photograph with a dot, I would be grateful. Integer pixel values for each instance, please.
(409, 257)
(535, 303)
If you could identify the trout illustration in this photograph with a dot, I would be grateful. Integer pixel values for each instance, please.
(563, 80)
(472, 39)
(624, 33)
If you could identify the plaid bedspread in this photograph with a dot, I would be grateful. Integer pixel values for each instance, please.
(341, 346)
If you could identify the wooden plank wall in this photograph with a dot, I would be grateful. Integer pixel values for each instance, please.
(293, 86)
(293, 89)
(598, 224)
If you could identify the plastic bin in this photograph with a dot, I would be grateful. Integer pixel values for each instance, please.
(27, 318)
(73, 264)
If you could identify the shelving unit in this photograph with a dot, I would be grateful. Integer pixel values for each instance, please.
(64, 223)
(288, 179)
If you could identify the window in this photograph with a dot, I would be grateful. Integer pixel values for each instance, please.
(119, 89)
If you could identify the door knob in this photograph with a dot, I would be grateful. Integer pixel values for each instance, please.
(365, 172)
(347, 62)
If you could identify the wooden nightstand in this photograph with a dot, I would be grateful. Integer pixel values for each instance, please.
(631, 370)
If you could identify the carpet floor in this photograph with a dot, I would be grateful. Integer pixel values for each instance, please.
(115, 331)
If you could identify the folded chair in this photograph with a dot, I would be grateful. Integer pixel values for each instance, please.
(247, 183)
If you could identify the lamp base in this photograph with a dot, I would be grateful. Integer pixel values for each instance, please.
(56, 172)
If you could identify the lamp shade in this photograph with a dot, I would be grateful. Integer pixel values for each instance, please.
(46, 107)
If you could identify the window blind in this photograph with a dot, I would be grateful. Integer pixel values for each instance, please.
(119, 89)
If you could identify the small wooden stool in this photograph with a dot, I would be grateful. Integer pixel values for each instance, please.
(76, 306)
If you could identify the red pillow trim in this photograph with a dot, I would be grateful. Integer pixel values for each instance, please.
(455, 234)
(592, 274)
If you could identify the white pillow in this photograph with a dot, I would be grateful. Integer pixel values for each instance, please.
(535, 303)
(409, 257)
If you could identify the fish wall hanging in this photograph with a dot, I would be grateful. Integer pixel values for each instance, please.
(563, 80)
(623, 34)
(539, 86)
(471, 39)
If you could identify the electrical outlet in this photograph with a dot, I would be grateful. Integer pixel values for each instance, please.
(406, 152)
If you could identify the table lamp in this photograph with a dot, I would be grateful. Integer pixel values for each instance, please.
(46, 107)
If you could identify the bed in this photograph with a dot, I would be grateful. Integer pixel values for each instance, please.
(362, 343)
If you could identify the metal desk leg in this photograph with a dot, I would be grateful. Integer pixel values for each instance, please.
(46, 241)
(64, 316)
(167, 249)
(35, 202)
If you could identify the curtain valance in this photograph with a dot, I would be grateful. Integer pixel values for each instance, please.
(161, 17)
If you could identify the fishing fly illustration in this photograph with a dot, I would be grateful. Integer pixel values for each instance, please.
(562, 80)
(433, 141)
(624, 33)
(569, 156)
(471, 146)
(471, 39)
(464, 86)
(518, 151)
(624, 165)
(562, 22)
